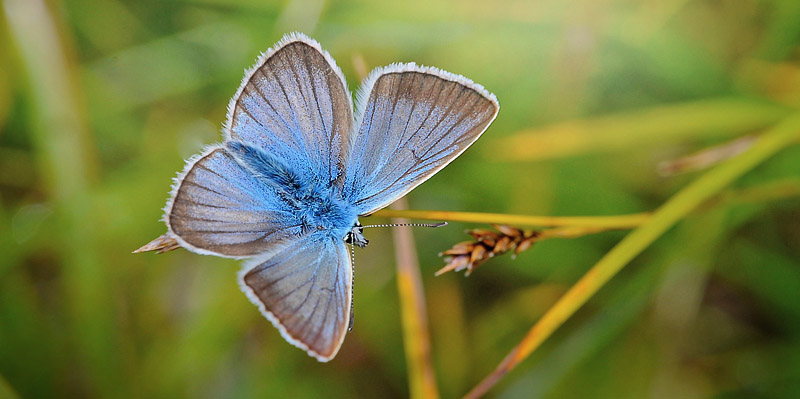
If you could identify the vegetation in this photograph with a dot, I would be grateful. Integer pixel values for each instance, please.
(644, 168)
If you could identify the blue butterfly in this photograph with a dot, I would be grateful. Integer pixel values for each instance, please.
(297, 167)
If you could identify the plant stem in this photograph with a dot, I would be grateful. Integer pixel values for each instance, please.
(607, 222)
(416, 338)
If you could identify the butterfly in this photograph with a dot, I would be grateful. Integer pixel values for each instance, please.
(297, 167)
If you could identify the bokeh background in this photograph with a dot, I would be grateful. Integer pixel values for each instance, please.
(101, 102)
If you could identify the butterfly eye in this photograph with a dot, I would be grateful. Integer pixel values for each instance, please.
(356, 236)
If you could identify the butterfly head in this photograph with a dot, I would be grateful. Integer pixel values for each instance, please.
(356, 236)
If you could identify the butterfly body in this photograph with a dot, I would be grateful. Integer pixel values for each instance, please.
(298, 166)
(315, 204)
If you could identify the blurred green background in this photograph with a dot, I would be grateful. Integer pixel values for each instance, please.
(102, 100)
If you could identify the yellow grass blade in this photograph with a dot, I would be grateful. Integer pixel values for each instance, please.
(676, 208)
(650, 127)
(416, 338)
(608, 222)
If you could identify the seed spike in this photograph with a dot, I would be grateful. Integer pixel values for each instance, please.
(469, 255)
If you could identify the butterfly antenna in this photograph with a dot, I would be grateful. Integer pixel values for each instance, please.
(353, 255)
(352, 284)
(440, 224)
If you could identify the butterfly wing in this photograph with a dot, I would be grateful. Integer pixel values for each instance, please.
(219, 207)
(294, 105)
(304, 289)
(414, 121)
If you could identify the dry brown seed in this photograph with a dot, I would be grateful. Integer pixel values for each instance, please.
(508, 230)
(477, 253)
(461, 248)
(455, 263)
(524, 245)
(503, 245)
(164, 243)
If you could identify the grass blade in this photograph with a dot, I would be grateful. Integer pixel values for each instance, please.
(608, 222)
(649, 127)
(675, 209)
(416, 337)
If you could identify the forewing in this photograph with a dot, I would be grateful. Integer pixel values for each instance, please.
(414, 121)
(305, 291)
(294, 105)
(218, 207)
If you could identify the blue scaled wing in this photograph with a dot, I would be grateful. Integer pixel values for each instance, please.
(219, 207)
(413, 121)
(304, 289)
(294, 105)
